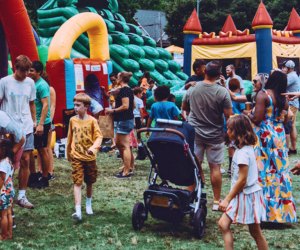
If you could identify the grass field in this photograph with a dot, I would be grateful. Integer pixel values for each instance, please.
(49, 225)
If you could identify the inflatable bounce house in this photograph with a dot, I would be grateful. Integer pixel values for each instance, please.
(129, 49)
(70, 76)
(251, 53)
(82, 42)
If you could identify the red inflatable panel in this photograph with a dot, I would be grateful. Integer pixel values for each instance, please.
(17, 29)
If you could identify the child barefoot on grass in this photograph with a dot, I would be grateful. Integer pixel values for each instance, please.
(7, 189)
(84, 141)
(245, 202)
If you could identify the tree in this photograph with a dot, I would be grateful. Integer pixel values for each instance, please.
(177, 14)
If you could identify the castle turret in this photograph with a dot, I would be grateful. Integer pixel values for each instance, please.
(262, 24)
(294, 23)
(191, 30)
(229, 26)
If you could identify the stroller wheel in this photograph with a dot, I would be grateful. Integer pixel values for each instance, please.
(199, 222)
(138, 216)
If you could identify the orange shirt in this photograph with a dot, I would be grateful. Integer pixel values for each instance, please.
(82, 135)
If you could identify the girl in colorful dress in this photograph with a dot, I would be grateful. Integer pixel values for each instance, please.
(7, 189)
(245, 203)
(268, 115)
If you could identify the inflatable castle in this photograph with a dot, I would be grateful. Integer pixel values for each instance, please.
(264, 50)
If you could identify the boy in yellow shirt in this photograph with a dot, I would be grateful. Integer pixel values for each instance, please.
(84, 141)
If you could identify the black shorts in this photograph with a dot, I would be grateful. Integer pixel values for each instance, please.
(138, 122)
(41, 141)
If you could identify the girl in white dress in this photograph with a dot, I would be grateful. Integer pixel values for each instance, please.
(245, 202)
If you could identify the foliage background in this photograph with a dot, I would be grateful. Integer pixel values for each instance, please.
(212, 13)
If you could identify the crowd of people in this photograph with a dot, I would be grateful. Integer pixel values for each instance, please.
(255, 127)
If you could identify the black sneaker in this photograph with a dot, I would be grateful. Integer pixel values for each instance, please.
(51, 177)
(42, 183)
(292, 152)
(121, 176)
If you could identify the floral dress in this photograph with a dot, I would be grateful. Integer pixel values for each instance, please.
(273, 166)
(7, 190)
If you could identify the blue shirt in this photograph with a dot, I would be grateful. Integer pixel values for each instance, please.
(237, 107)
(293, 85)
(164, 110)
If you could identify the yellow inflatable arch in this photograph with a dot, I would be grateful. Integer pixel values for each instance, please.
(93, 24)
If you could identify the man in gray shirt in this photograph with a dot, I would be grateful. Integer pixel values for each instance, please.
(207, 103)
(293, 85)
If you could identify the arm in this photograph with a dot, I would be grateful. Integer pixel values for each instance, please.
(40, 126)
(98, 139)
(227, 113)
(18, 145)
(260, 108)
(33, 112)
(52, 102)
(69, 141)
(237, 188)
(241, 98)
(2, 178)
(123, 107)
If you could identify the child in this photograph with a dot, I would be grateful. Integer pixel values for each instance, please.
(237, 108)
(138, 119)
(84, 141)
(7, 189)
(162, 108)
(245, 203)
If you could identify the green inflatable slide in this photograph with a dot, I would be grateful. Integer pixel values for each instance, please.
(129, 49)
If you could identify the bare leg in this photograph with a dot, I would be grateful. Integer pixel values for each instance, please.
(10, 223)
(43, 153)
(293, 136)
(224, 225)
(122, 142)
(50, 153)
(4, 224)
(216, 180)
(24, 170)
(132, 161)
(288, 139)
(257, 235)
(77, 194)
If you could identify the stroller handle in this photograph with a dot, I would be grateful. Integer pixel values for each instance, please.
(169, 130)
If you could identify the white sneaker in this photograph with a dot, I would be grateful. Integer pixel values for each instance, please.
(76, 217)
(89, 210)
(222, 170)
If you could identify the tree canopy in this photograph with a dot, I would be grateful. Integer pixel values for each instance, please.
(212, 15)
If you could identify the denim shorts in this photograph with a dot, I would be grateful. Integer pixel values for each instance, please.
(125, 127)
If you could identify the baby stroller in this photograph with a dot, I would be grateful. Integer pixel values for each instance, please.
(170, 150)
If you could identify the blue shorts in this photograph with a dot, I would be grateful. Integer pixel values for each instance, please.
(125, 127)
(29, 143)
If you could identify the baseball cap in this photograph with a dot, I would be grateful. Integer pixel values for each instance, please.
(290, 64)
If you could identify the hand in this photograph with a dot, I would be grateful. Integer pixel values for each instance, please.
(222, 80)
(147, 134)
(246, 112)
(223, 205)
(90, 151)
(39, 130)
(296, 169)
(109, 111)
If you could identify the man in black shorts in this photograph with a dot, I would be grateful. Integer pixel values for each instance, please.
(43, 125)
